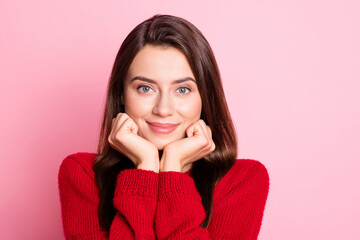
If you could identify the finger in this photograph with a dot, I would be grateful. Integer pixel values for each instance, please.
(207, 129)
(117, 117)
(119, 121)
(129, 126)
(203, 126)
(190, 130)
(120, 118)
(203, 139)
(195, 130)
(113, 124)
(213, 147)
(209, 132)
(116, 125)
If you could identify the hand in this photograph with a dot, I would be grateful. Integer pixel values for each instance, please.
(196, 145)
(123, 137)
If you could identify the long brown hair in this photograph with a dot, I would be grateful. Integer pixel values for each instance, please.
(167, 30)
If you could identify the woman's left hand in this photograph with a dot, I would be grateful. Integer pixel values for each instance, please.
(196, 145)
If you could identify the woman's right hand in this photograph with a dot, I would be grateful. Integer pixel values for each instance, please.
(124, 138)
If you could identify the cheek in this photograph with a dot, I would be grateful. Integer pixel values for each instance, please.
(137, 107)
(191, 111)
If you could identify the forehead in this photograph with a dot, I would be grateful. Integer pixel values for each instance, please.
(160, 63)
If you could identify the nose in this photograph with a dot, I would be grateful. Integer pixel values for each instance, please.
(164, 105)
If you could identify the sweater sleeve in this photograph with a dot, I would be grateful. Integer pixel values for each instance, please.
(135, 199)
(80, 199)
(237, 210)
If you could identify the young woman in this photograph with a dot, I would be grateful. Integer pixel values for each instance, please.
(166, 164)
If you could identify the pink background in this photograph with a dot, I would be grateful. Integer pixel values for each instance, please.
(291, 75)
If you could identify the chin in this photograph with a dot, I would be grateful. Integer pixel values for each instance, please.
(161, 143)
(160, 146)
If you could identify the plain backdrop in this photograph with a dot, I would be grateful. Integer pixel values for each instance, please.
(291, 75)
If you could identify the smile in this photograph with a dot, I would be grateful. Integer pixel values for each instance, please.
(163, 128)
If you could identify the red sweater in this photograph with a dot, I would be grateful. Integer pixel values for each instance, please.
(163, 205)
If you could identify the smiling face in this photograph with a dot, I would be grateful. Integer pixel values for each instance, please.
(161, 94)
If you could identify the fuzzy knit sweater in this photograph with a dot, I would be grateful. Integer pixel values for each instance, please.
(163, 205)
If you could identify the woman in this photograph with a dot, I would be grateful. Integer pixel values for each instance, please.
(165, 166)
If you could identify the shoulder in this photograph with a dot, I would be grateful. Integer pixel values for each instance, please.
(76, 182)
(247, 175)
(77, 165)
(249, 168)
(246, 168)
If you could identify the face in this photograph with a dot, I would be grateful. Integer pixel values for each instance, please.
(161, 94)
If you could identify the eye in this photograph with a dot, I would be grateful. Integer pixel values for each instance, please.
(183, 90)
(144, 88)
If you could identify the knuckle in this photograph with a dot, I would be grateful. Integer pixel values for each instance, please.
(127, 120)
(109, 139)
(118, 138)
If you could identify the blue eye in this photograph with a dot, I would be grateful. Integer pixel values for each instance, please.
(144, 88)
(183, 90)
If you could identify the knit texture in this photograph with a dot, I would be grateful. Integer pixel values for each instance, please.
(163, 205)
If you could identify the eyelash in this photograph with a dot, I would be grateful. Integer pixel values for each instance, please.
(141, 89)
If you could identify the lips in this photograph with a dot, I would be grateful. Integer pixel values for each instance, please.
(163, 128)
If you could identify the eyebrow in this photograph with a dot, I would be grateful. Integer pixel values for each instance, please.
(153, 81)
